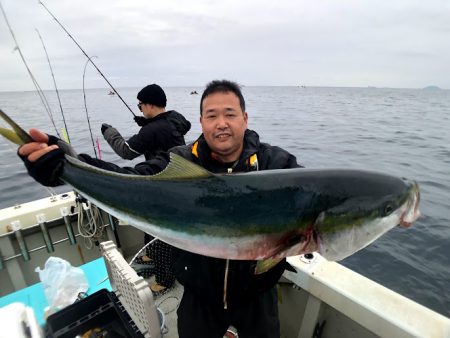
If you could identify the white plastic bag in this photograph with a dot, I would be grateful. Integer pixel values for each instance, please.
(61, 282)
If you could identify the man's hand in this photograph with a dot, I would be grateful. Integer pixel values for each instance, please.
(104, 127)
(35, 150)
(140, 120)
(44, 162)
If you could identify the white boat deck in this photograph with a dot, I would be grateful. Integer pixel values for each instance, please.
(322, 299)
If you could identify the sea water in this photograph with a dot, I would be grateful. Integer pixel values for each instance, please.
(403, 132)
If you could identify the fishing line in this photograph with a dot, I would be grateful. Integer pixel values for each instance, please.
(177, 300)
(98, 70)
(36, 85)
(142, 249)
(85, 106)
(56, 87)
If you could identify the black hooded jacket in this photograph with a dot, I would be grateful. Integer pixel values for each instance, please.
(205, 276)
(164, 131)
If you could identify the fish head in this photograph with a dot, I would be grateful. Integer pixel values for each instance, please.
(362, 218)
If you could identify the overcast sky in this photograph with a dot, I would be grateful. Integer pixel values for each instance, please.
(402, 43)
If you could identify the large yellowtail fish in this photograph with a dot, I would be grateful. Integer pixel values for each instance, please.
(256, 216)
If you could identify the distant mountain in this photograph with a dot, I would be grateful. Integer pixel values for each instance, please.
(432, 88)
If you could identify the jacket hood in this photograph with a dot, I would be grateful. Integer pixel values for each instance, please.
(251, 143)
(178, 121)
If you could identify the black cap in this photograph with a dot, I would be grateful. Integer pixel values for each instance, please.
(152, 94)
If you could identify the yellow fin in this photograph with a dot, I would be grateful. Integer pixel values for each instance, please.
(266, 264)
(11, 135)
(21, 137)
(180, 168)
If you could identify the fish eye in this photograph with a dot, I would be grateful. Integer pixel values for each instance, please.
(388, 209)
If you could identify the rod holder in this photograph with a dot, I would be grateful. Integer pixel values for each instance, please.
(17, 228)
(2, 265)
(112, 222)
(69, 229)
(45, 233)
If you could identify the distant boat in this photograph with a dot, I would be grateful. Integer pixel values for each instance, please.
(111, 93)
(194, 92)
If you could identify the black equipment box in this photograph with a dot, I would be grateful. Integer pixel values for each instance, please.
(98, 315)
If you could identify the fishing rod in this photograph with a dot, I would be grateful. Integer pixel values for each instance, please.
(85, 106)
(36, 85)
(98, 70)
(56, 87)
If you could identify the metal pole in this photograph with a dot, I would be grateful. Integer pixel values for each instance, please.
(16, 227)
(45, 233)
(69, 229)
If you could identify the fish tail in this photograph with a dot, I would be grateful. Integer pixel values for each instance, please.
(17, 134)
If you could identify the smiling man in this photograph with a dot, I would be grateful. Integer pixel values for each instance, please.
(224, 122)
(217, 292)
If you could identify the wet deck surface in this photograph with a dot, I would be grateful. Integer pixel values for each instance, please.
(168, 304)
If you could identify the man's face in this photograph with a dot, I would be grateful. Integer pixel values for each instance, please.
(223, 125)
(146, 109)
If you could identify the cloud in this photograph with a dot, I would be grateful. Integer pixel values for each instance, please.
(324, 43)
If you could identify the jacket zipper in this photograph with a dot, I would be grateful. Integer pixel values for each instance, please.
(227, 264)
(225, 284)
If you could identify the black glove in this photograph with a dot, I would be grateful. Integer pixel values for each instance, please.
(47, 169)
(140, 120)
(63, 145)
(104, 127)
(52, 140)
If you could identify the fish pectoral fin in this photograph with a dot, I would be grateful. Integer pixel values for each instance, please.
(17, 135)
(180, 168)
(289, 267)
(267, 264)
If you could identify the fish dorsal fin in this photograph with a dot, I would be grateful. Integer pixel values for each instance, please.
(180, 168)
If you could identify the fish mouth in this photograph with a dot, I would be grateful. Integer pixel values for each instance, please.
(412, 211)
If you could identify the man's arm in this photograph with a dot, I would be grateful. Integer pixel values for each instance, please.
(151, 167)
(119, 145)
(45, 163)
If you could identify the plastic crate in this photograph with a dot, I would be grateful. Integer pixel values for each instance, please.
(133, 292)
(100, 312)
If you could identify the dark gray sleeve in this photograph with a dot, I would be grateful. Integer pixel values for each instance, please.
(119, 145)
(151, 167)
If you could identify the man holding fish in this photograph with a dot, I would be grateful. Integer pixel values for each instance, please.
(237, 228)
(218, 293)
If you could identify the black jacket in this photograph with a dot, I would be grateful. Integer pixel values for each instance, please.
(205, 276)
(164, 131)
